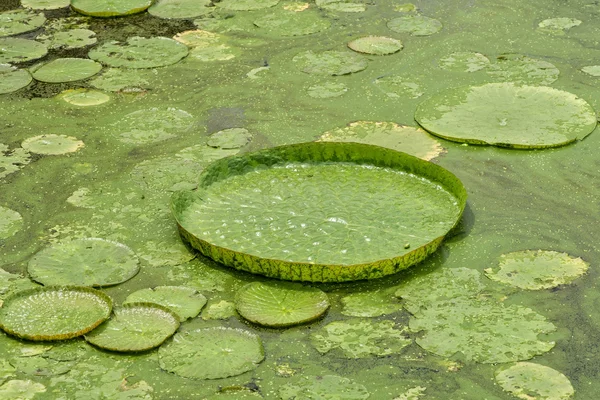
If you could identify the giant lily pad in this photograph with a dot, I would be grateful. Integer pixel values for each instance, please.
(84, 262)
(211, 353)
(323, 387)
(14, 50)
(174, 9)
(311, 224)
(135, 327)
(66, 70)
(54, 313)
(183, 301)
(508, 115)
(330, 62)
(13, 79)
(140, 52)
(10, 222)
(280, 305)
(416, 25)
(14, 22)
(536, 270)
(110, 8)
(529, 381)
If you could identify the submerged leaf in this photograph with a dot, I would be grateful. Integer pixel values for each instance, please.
(291, 23)
(11, 222)
(323, 387)
(370, 304)
(521, 69)
(84, 97)
(234, 138)
(529, 381)
(464, 61)
(330, 62)
(342, 5)
(68, 39)
(52, 144)
(246, 5)
(17, 389)
(416, 25)
(327, 90)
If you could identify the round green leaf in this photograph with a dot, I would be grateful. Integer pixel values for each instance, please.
(323, 387)
(183, 301)
(175, 9)
(359, 339)
(54, 313)
(110, 8)
(66, 70)
(14, 22)
(211, 353)
(330, 62)
(152, 125)
(508, 115)
(535, 270)
(84, 97)
(246, 5)
(291, 23)
(558, 26)
(135, 327)
(341, 5)
(464, 61)
(327, 90)
(370, 304)
(12, 161)
(530, 381)
(314, 225)
(377, 45)
(416, 25)
(408, 139)
(13, 79)
(593, 70)
(84, 262)
(398, 87)
(280, 304)
(52, 144)
(11, 222)
(233, 138)
(121, 80)
(14, 50)
(17, 389)
(68, 39)
(140, 52)
(522, 69)
(45, 4)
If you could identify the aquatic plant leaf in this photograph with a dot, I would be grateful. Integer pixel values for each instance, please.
(135, 327)
(280, 304)
(558, 26)
(84, 262)
(234, 138)
(416, 25)
(414, 393)
(40, 366)
(18, 389)
(15, 50)
(408, 139)
(65, 70)
(330, 62)
(341, 5)
(482, 331)
(12, 161)
(152, 125)
(13, 283)
(110, 8)
(184, 301)
(397, 87)
(83, 97)
(222, 310)
(13, 79)
(327, 90)
(246, 5)
(291, 23)
(139, 52)
(323, 387)
(122, 80)
(68, 39)
(206, 46)
(359, 338)
(14, 22)
(11, 222)
(6, 371)
(507, 115)
(231, 394)
(370, 304)
(45, 4)
(376, 45)
(530, 381)
(464, 61)
(521, 69)
(54, 313)
(535, 270)
(317, 227)
(176, 9)
(593, 70)
(211, 353)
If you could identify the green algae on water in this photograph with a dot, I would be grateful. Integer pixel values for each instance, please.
(323, 387)
(370, 304)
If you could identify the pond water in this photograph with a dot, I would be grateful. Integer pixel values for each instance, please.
(446, 328)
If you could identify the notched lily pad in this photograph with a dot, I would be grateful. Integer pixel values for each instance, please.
(84, 262)
(65, 70)
(139, 52)
(11, 80)
(110, 8)
(54, 313)
(330, 62)
(234, 138)
(323, 387)
(52, 144)
(507, 115)
(280, 304)
(135, 327)
(416, 25)
(360, 338)
(184, 301)
(211, 353)
(376, 45)
(15, 22)
(11, 222)
(529, 381)
(15, 50)
(535, 270)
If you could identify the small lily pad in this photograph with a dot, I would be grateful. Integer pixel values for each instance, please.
(464, 61)
(211, 353)
(291, 23)
(177, 9)
(54, 313)
(398, 87)
(521, 69)
(12, 161)
(121, 80)
(18, 389)
(323, 387)
(52, 144)
(408, 139)
(360, 338)
(593, 70)
(529, 381)
(234, 138)
(330, 62)
(135, 327)
(206, 46)
(45, 4)
(183, 301)
(370, 304)
(246, 5)
(416, 25)
(152, 125)
(15, 50)
(507, 115)
(376, 45)
(279, 304)
(222, 310)
(558, 26)
(66, 70)
(68, 39)
(110, 8)
(342, 5)
(11, 222)
(139, 52)
(327, 90)
(85, 262)
(14, 22)
(83, 97)
(13, 79)
(535, 270)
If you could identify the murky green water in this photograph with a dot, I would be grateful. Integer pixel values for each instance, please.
(119, 184)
